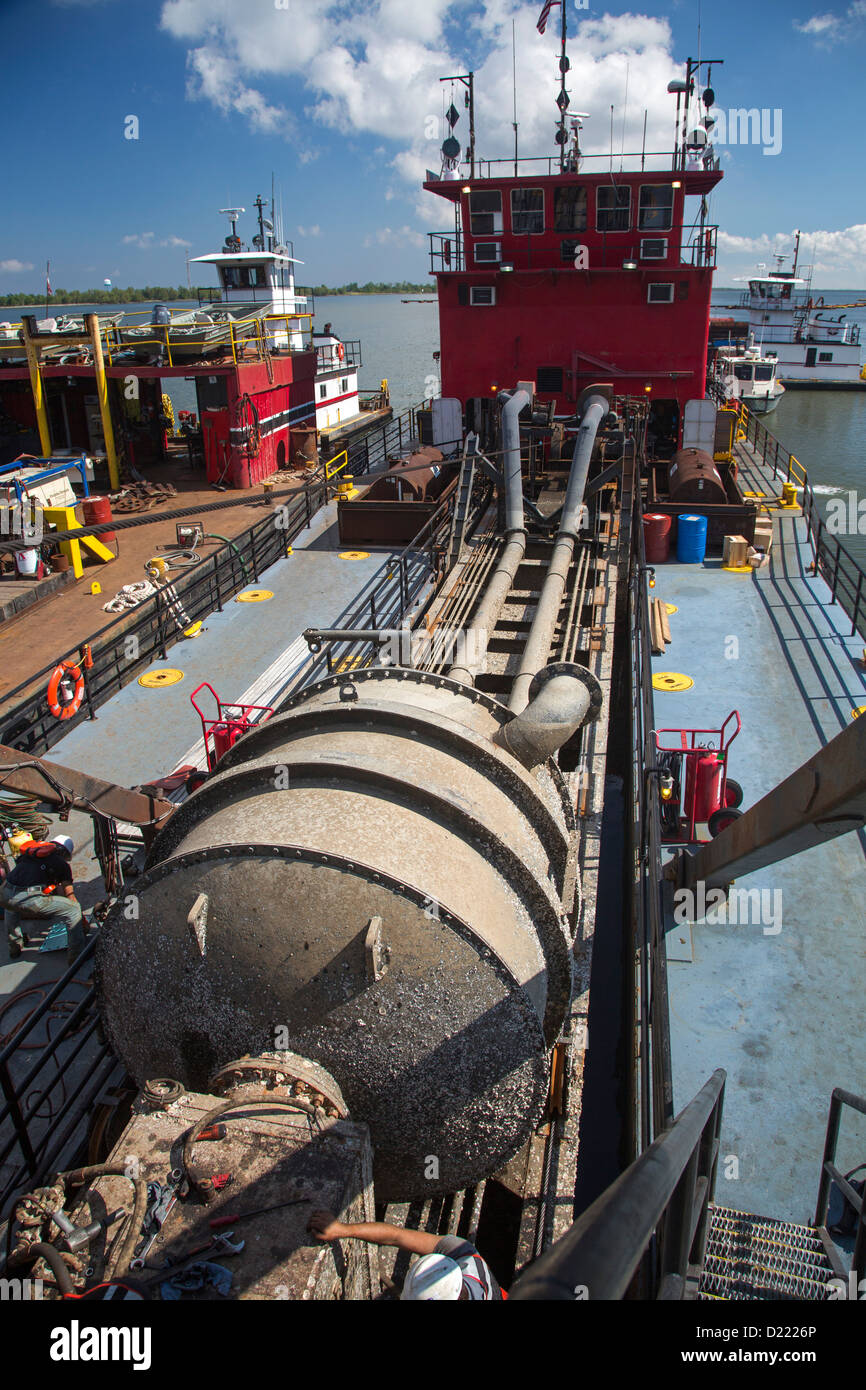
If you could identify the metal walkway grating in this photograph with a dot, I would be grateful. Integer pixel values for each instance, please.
(758, 1258)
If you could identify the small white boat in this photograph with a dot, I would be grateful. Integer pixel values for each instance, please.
(750, 376)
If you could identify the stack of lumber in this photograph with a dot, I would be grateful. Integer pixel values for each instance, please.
(660, 628)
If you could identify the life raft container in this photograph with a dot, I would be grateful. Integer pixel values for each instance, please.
(65, 690)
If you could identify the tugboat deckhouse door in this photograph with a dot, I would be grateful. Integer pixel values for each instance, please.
(699, 425)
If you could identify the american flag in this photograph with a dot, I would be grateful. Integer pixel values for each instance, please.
(545, 15)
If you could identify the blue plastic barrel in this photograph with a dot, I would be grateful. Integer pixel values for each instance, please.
(691, 539)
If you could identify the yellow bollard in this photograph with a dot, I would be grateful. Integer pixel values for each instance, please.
(96, 587)
(789, 494)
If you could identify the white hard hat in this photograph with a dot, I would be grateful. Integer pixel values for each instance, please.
(64, 842)
(433, 1277)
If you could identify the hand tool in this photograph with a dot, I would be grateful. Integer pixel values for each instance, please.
(259, 1211)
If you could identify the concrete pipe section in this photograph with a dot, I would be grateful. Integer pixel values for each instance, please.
(373, 882)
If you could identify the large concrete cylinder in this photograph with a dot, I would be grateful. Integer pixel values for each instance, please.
(369, 881)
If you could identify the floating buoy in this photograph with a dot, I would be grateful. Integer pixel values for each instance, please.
(671, 680)
(152, 680)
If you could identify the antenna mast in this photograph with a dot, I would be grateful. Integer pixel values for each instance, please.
(562, 100)
(514, 83)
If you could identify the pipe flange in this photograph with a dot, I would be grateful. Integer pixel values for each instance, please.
(162, 1091)
(305, 1079)
(577, 672)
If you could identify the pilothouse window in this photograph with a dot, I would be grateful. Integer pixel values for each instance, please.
(612, 209)
(656, 208)
(485, 212)
(527, 211)
(244, 277)
(569, 209)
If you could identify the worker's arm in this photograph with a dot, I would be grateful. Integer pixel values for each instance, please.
(324, 1226)
(68, 891)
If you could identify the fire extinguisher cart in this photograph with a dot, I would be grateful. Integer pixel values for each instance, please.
(221, 732)
(694, 785)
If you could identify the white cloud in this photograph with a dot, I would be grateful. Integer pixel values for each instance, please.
(374, 69)
(310, 231)
(391, 236)
(145, 241)
(828, 28)
(837, 258)
(13, 267)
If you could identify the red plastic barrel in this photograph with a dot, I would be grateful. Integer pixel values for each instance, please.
(96, 511)
(656, 537)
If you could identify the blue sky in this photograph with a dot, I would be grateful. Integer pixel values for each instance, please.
(339, 101)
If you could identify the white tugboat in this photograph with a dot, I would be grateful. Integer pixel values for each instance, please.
(258, 299)
(750, 376)
(815, 348)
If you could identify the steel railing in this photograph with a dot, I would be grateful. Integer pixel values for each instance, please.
(447, 253)
(151, 629)
(655, 1093)
(244, 339)
(830, 1175)
(66, 1072)
(833, 560)
(646, 1235)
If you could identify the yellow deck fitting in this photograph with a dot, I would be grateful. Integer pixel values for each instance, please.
(671, 680)
(96, 587)
(254, 596)
(193, 630)
(354, 555)
(152, 680)
(738, 569)
(855, 713)
(671, 608)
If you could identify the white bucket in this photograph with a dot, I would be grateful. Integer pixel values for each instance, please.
(26, 561)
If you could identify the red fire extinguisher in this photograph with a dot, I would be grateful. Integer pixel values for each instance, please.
(704, 785)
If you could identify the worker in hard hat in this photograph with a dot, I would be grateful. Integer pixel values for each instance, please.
(449, 1268)
(40, 886)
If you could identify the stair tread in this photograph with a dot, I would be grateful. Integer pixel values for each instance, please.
(753, 1257)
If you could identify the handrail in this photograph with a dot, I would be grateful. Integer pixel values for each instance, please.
(830, 1174)
(840, 569)
(663, 1196)
(330, 471)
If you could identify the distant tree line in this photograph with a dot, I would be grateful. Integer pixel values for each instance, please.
(129, 295)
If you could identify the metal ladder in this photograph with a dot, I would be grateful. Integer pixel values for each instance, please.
(465, 483)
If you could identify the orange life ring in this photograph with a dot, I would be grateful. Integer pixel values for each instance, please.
(340, 351)
(61, 703)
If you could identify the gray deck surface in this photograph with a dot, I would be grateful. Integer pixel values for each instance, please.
(782, 1013)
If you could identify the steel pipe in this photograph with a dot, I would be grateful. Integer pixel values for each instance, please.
(515, 548)
(596, 401)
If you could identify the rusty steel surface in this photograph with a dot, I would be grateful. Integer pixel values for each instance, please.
(59, 786)
(693, 477)
(273, 1155)
(389, 889)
